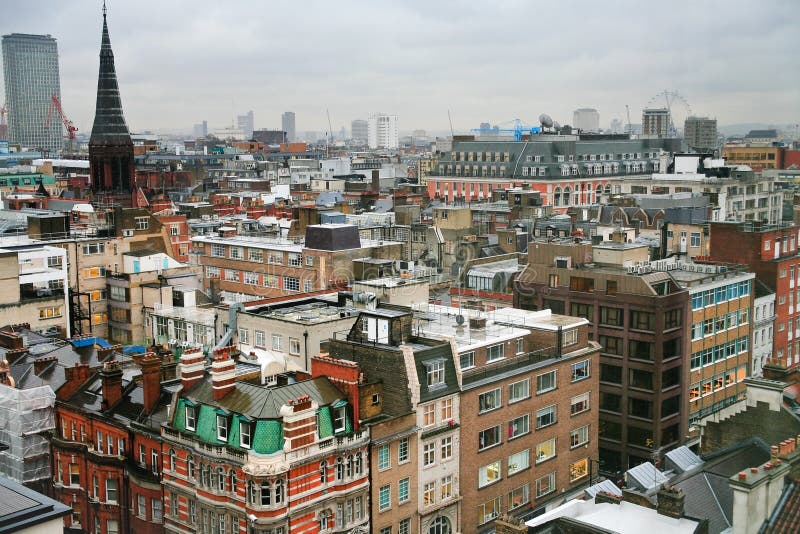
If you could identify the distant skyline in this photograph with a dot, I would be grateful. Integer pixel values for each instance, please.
(181, 62)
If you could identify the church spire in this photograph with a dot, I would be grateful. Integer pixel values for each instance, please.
(109, 126)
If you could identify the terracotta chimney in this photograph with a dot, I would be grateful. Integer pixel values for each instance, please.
(223, 375)
(74, 377)
(111, 375)
(192, 368)
(151, 380)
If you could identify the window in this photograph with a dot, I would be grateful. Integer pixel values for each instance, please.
(402, 490)
(112, 527)
(383, 458)
(190, 417)
(291, 283)
(218, 251)
(93, 272)
(545, 485)
(276, 342)
(429, 494)
(435, 372)
(495, 352)
(142, 223)
(611, 287)
(90, 249)
(488, 474)
(384, 497)
(672, 319)
(294, 346)
(642, 320)
(447, 409)
(429, 454)
(447, 448)
(222, 427)
(581, 310)
(428, 415)
(640, 349)
(49, 312)
(491, 400)
(489, 437)
(236, 253)
(545, 450)
(251, 278)
(489, 510)
(154, 460)
(244, 336)
(580, 283)
(339, 419)
(519, 496)
(309, 261)
(244, 434)
(611, 316)
(74, 475)
(519, 461)
(579, 403)
(519, 426)
(111, 490)
(519, 391)
(579, 436)
(695, 239)
(467, 360)
(255, 254)
(446, 487)
(569, 337)
(308, 286)
(402, 450)
(546, 382)
(638, 378)
(157, 511)
(545, 416)
(578, 469)
(580, 370)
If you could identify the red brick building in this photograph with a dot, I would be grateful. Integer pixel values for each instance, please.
(106, 452)
(772, 253)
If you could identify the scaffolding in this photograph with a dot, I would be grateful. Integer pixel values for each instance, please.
(25, 416)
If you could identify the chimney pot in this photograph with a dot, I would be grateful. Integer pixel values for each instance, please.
(742, 476)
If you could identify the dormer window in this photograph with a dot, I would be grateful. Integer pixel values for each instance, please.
(191, 417)
(435, 373)
(222, 427)
(244, 434)
(339, 419)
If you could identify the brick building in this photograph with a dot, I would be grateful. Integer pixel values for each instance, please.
(771, 252)
(640, 319)
(241, 456)
(106, 450)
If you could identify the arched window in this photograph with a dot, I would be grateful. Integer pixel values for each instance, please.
(220, 479)
(204, 476)
(172, 459)
(557, 197)
(190, 467)
(232, 476)
(251, 492)
(440, 525)
(325, 517)
(278, 491)
(348, 472)
(339, 469)
(213, 479)
(266, 495)
(358, 464)
(323, 472)
(567, 196)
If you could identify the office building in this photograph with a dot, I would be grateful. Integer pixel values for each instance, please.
(270, 137)
(200, 130)
(700, 133)
(30, 71)
(288, 125)
(586, 120)
(382, 131)
(246, 123)
(360, 131)
(656, 122)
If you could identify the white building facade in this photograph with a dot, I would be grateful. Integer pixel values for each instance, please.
(383, 131)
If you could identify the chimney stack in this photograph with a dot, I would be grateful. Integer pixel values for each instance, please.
(74, 377)
(670, 502)
(192, 368)
(223, 374)
(111, 375)
(151, 380)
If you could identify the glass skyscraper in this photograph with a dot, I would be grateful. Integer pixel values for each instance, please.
(30, 71)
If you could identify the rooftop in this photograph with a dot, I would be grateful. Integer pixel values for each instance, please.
(22, 508)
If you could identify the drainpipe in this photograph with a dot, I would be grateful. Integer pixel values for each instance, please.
(305, 341)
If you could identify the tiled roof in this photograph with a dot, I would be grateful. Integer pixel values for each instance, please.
(786, 516)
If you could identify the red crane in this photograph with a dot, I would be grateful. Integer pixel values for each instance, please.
(54, 103)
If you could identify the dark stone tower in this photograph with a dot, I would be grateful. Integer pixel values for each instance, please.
(110, 145)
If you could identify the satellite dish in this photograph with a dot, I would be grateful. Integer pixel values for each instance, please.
(459, 319)
(545, 120)
(556, 125)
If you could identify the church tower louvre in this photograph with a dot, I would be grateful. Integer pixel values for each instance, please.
(110, 145)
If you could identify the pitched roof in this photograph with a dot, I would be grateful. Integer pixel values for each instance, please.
(262, 402)
(786, 516)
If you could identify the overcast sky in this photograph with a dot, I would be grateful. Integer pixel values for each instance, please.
(179, 61)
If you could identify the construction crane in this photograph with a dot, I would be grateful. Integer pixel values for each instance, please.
(628, 113)
(55, 104)
(519, 127)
